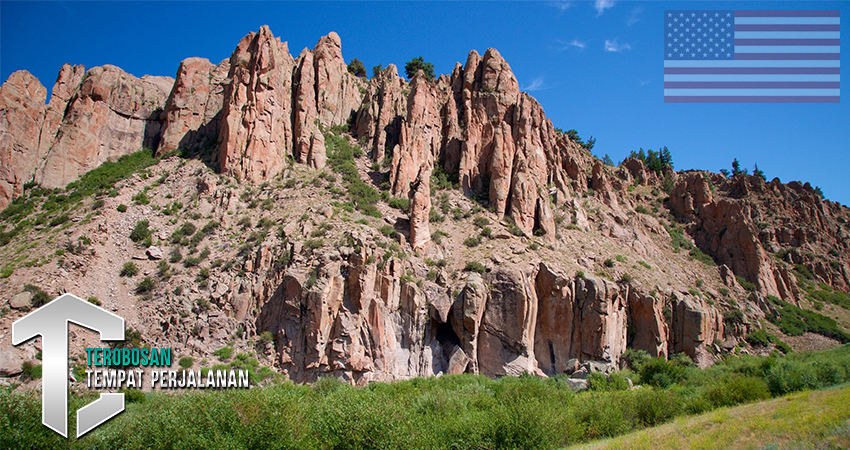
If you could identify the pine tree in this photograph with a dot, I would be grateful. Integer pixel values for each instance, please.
(736, 167)
(759, 173)
(417, 64)
(357, 68)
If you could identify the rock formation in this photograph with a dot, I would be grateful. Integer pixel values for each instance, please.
(378, 307)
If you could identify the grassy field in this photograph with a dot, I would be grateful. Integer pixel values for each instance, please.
(804, 420)
(464, 411)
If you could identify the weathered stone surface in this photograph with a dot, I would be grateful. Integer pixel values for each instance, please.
(255, 128)
(695, 325)
(11, 360)
(420, 209)
(21, 301)
(646, 318)
(192, 109)
(154, 252)
(112, 114)
(21, 117)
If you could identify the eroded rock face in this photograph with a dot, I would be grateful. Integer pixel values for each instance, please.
(477, 126)
(362, 323)
(21, 117)
(112, 114)
(192, 109)
(256, 131)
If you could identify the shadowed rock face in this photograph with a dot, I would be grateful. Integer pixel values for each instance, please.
(372, 326)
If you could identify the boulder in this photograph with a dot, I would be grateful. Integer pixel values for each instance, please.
(21, 301)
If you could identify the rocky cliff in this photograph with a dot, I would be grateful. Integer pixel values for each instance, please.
(581, 260)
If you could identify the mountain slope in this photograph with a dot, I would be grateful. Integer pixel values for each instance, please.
(383, 229)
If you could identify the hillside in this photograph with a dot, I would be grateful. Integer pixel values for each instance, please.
(804, 420)
(382, 229)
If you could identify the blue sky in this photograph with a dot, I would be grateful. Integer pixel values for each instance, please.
(595, 66)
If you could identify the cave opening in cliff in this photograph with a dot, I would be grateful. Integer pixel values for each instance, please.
(447, 338)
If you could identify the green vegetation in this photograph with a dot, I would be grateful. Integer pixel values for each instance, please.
(146, 285)
(39, 297)
(122, 208)
(224, 353)
(417, 64)
(794, 321)
(186, 362)
(763, 338)
(460, 411)
(356, 68)
(341, 156)
(475, 266)
(472, 241)
(679, 241)
(816, 420)
(129, 269)
(573, 135)
(141, 232)
(655, 161)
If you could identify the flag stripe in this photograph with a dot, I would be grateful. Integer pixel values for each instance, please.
(752, 85)
(753, 70)
(788, 20)
(787, 13)
(786, 63)
(787, 35)
(787, 27)
(753, 92)
(751, 99)
(790, 42)
(748, 77)
(785, 49)
(788, 56)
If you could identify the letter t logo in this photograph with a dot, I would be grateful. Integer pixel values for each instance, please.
(51, 322)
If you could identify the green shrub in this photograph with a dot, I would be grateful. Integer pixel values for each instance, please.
(129, 269)
(472, 241)
(140, 232)
(794, 321)
(186, 362)
(30, 370)
(146, 285)
(389, 231)
(122, 208)
(751, 287)
(736, 390)
(661, 373)
(224, 353)
(39, 297)
(133, 395)
(475, 266)
(399, 203)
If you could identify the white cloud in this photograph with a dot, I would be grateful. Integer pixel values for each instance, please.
(644, 82)
(537, 84)
(634, 16)
(602, 5)
(566, 45)
(614, 46)
(561, 5)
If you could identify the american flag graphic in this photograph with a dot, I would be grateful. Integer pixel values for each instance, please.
(724, 56)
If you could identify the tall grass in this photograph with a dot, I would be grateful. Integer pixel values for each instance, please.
(449, 412)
